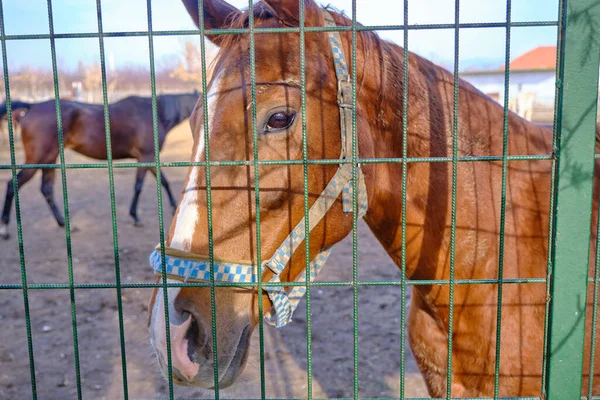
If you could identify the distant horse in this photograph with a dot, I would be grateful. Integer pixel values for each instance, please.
(429, 202)
(131, 131)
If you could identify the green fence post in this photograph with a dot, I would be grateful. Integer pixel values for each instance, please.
(577, 107)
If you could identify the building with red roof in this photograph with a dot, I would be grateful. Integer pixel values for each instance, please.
(531, 83)
(542, 58)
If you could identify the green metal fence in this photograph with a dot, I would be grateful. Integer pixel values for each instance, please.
(567, 277)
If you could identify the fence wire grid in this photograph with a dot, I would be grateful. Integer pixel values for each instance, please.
(562, 369)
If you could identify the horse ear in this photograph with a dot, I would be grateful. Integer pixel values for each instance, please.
(217, 14)
(288, 11)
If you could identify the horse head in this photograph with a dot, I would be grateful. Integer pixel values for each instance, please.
(227, 133)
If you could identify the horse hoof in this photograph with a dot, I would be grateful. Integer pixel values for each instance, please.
(4, 232)
(137, 223)
(74, 229)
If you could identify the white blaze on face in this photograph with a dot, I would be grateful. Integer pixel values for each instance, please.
(187, 217)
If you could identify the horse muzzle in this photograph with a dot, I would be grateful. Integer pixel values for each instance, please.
(191, 345)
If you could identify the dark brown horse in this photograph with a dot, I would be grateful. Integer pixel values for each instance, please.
(379, 126)
(131, 130)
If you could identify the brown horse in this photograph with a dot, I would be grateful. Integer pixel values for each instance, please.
(131, 131)
(379, 122)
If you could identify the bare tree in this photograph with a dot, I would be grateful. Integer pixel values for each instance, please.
(84, 82)
(189, 69)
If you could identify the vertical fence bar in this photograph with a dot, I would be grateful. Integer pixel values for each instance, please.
(302, 16)
(503, 201)
(211, 253)
(15, 185)
(256, 193)
(354, 202)
(113, 206)
(595, 305)
(557, 98)
(161, 225)
(63, 173)
(403, 205)
(572, 207)
(454, 187)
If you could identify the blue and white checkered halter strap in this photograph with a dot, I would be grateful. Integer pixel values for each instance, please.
(182, 265)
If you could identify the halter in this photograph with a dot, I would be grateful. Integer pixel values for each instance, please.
(182, 265)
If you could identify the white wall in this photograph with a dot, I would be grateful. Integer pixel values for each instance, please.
(541, 83)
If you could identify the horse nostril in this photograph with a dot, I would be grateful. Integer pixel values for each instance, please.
(197, 337)
(193, 337)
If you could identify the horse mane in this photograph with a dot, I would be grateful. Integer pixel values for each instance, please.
(387, 56)
(263, 13)
(379, 59)
(241, 20)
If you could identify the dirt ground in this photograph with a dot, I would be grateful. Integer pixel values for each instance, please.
(97, 317)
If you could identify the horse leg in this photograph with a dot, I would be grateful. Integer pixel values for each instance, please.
(139, 181)
(23, 176)
(47, 189)
(165, 184)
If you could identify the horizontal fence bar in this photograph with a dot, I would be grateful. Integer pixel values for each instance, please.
(240, 31)
(41, 286)
(174, 164)
(394, 398)
(388, 398)
(58, 286)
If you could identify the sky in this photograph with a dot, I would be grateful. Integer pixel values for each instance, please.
(479, 47)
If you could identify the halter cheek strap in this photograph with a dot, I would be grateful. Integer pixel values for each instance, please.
(183, 265)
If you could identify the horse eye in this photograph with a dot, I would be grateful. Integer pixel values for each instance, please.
(280, 121)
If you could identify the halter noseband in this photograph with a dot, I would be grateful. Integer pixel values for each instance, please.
(182, 265)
